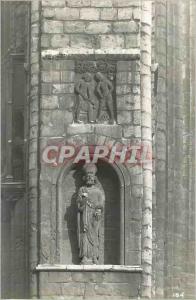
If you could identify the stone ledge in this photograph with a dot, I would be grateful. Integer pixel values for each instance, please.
(71, 53)
(113, 131)
(90, 268)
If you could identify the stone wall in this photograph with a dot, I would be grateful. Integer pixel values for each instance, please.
(60, 29)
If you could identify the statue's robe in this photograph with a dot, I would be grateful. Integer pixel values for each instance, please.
(89, 223)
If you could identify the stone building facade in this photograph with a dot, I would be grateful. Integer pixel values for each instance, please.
(144, 53)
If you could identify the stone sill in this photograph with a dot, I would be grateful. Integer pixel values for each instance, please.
(89, 268)
(71, 53)
(112, 131)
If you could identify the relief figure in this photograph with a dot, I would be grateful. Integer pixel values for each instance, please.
(104, 90)
(85, 92)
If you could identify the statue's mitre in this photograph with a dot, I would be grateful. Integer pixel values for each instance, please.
(90, 168)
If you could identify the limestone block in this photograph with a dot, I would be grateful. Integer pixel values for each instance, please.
(112, 41)
(45, 40)
(122, 3)
(74, 27)
(98, 27)
(59, 40)
(50, 76)
(124, 66)
(50, 26)
(114, 131)
(137, 14)
(125, 102)
(67, 13)
(132, 41)
(67, 76)
(48, 12)
(123, 89)
(124, 117)
(81, 41)
(66, 102)
(137, 117)
(63, 88)
(53, 3)
(108, 14)
(102, 3)
(89, 14)
(78, 3)
(125, 13)
(46, 89)
(49, 102)
(124, 27)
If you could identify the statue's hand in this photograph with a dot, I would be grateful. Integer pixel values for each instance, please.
(98, 213)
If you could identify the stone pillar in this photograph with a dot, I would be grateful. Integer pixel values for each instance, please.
(146, 27)
(34, 147)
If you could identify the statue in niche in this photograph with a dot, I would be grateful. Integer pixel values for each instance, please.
(85, 92)
(90, 203)
(104, 89)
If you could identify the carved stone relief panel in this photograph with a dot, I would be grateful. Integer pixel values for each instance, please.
(95, 92)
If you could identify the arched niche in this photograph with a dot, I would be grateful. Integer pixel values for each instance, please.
(114, 180)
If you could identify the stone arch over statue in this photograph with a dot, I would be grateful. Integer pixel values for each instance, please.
(115, 181)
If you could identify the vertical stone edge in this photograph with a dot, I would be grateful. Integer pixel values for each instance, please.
(146, 28)
(34, 146)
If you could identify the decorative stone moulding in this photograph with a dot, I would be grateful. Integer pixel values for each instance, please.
(71, 53)
(96, 268)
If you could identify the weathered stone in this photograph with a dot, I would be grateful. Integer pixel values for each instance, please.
(89, 14)
(50, 26)
(122, 3)
(50, 76)
(125, 102)
(48, 12)
(98, 27)
(124, 66)
(121, 78)
(124, 117)
(102, 3)
(59, 277)
(124, 27)
(132, 41)
(66, 102)
(78, 3)
(63, 88)
(137, 117)
(108, 14)
(79, 129)
(114, 131)
(123, 89)
(112, 41)
(53, 3)
(67, 13)
(74, 27)
(67, 76)
(49, 102)
(128, 131)
(125, 13)
(137, 14)
(59, 40)
(81, 41)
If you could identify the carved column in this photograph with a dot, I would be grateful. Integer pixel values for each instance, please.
(146, 29)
